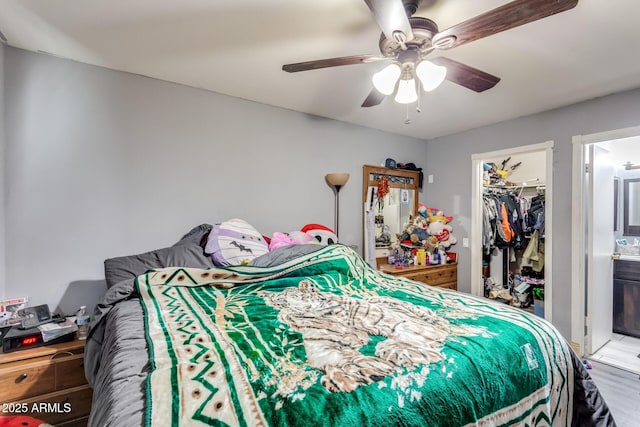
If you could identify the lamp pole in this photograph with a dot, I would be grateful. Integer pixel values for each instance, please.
(337, 213)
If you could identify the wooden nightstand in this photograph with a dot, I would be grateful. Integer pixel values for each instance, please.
(47, 383)
(442, 276)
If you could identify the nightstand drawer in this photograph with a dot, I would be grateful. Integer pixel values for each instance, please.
(26, 380)
(61, 406)
(48, 383)
(70, 371)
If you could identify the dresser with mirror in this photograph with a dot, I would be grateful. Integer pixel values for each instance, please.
(390, 201)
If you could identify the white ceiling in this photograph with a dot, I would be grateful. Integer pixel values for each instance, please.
(237, 48)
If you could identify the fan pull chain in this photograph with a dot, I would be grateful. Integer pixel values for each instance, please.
(418, 109)
(407, 120)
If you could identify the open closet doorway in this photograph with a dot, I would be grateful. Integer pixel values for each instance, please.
(606, 273)
(524, 175)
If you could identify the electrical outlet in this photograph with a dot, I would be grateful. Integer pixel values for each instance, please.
(430, 179)
(465, 242)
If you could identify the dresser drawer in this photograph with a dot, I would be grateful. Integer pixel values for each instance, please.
(60, 406)
(434, 276)
(18, 381)
(448, 285)
(443, 276)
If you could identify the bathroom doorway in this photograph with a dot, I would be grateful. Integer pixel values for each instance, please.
(598, 163)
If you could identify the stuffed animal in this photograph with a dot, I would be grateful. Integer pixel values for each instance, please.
(235, 242)
(442, 232)
(435, 214)
(322, 234)
(279, 240)
(416, 233)
(422, 210)
(421, 222)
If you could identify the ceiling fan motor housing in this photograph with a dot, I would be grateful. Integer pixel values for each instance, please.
(423, 31)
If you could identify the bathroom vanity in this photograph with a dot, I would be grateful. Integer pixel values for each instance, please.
(626, 296)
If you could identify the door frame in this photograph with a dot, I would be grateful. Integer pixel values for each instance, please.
(477, 287)
(578, 229)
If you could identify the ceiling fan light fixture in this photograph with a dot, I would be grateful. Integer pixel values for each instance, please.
(431, 75)
(407, 93)
(385, 80)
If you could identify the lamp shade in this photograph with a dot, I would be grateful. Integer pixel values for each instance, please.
(337, 179)
(406, 92)
(385, 80)
(430, 75)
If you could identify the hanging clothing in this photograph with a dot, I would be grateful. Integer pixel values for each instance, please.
(531, 251)
(505, 223)
(489, 215)
(535, 216)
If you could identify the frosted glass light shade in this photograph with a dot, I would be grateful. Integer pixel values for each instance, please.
(337, 179)
(406, 92)
(385, 80)
(430, 75)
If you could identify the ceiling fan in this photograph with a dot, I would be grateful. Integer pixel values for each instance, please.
(406, 41)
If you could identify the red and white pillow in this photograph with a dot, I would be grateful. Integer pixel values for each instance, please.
(322, 234)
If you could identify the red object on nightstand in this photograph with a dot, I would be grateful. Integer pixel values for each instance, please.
(20, 421)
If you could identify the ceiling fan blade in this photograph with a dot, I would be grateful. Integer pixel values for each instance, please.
(375, 98)
(510, 15)
(331, 62)
(464, 75)
(391, 18)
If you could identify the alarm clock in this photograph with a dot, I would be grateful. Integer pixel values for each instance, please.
(21, 339)
(33, 316)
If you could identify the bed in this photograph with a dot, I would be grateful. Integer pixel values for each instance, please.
(311, 335)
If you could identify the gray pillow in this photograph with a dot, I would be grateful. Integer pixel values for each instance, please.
(197, 235)
(187, 252)
(286, 253)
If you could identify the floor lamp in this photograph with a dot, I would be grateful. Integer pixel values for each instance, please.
(337, 180)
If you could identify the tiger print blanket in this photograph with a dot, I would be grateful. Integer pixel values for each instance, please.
(325, 340)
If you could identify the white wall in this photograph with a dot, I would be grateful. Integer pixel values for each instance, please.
(452, 180)
(532, 167)
(102, 163)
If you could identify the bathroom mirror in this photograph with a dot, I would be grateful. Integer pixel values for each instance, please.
(384, 218)
(632, 207)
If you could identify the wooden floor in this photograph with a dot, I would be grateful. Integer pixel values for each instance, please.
(621, 390)
(621, 352)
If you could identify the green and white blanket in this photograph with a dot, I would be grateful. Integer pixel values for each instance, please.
(325, 340)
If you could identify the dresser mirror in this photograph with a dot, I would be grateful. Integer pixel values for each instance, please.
(390, 201)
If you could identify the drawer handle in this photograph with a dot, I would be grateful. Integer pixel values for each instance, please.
(21, 378)
(66, 353)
